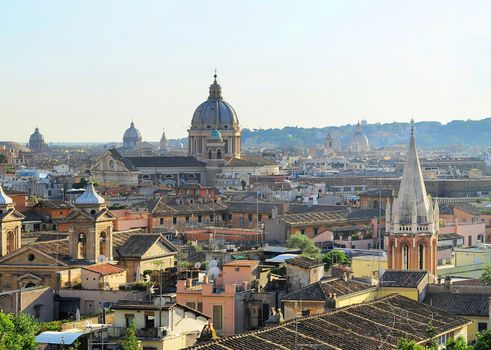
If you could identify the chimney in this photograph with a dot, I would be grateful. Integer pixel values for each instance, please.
(189, 283)
(205, 279)
(345, 277)
(448, 282)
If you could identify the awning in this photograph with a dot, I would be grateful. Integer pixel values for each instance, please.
(66, 337)
(239, 257)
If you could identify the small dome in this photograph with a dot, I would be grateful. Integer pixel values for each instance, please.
(132, 137)
(36, 140)
(216, 135)
(90, 197)
(215, 113)
(4, 199)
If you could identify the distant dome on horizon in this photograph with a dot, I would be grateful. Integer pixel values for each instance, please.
(132, 137)
(36, 141)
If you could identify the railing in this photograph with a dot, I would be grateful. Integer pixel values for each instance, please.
(120, 332)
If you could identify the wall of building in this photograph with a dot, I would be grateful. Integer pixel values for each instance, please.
(368, 266)
(37, 302)
(356, 298)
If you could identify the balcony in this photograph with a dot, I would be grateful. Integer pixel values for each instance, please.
(142, 333)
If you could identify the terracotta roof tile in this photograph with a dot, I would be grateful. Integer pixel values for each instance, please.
(105, 269)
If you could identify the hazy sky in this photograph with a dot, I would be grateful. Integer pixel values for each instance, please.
(82, 70)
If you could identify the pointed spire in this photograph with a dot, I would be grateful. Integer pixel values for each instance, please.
(4, 199)
(412, 192)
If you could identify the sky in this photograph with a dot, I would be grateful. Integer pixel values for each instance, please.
(82, 70)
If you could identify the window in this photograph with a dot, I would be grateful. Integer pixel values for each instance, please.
(200, 307)
(217, 317)
(237, 269)
(249, 216)
(149, 320)
(316, 231)
(30, 257)
(187, 219)
(405, 257)
(174, 221)
(421, 257)
(200, 218)
(305, 312)
(128, 319)
(219, 154)
(212, 217)
(302, 231)
(161, 221)
(469, 241)
(482, 326)
(191, 304)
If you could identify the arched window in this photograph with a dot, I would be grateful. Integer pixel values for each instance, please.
(103, 244)
(421, 257)
(375, 204)
(82, 245)
(219, 153)
(405, 257)
(30, 285)
(10, 241)
(209, 154)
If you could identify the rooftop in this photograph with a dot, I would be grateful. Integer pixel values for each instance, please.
(460, 303)
(323, 290)
(378, 324)
(303, 261)
(105, 269)
(402, 279)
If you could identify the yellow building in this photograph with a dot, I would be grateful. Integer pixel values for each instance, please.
(368, 266)
(326, 295)
(411, 284)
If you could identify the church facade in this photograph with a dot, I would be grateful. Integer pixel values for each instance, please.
(412, 221)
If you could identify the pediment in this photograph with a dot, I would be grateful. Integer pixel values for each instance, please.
(24, 255)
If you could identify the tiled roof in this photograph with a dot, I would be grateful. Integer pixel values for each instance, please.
(378, 324)
(104, 269)
(127, 163)
(402, 279)
(460, 304)
(188, 208)
(303, 261)
(54, 204)
(331, 217)
(466, 207)
(320, 291)
(137, 245)
(246, 161)
(165, 162)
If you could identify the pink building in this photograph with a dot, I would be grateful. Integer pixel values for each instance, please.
(130, 219)
(224, 300)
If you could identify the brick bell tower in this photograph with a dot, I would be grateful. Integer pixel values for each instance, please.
(412, 223)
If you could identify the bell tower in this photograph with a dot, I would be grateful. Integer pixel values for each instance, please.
(91, 228)
(412, 222)
(10, 225)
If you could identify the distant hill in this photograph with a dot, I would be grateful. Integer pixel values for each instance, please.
(429, 134)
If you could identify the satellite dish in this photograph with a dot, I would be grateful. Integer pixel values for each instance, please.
(213, 272)
(197, 265)
(159, 302)
(101, 258)
(213, 263)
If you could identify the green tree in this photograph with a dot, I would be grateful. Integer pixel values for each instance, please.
(75, 345)
(405, 344)
(457, 344)
(335, 257)
(130, 340)
(483, 341)
(305, 244)
(17, 332)
(431, 344)
(486, 275)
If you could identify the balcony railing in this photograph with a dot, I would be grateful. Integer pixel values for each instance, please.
(120, 332)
